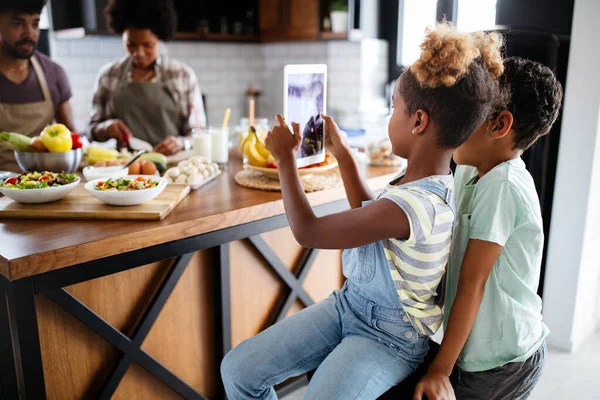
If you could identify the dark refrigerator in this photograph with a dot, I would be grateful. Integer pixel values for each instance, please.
(540, 31)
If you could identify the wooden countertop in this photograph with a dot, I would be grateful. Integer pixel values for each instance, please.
(32, 247)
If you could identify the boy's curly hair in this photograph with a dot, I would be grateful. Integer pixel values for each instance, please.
(455, 80)
(534, 99)
(157, 15)
(22, 6)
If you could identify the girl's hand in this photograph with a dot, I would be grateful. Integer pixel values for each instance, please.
(334, 139)
(280, 141)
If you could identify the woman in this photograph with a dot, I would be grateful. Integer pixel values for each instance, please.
(145, 94)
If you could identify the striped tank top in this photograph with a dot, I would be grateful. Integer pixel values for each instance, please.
(418, 264)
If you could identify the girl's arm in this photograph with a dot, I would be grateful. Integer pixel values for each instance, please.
(377, 221)
(356, 188)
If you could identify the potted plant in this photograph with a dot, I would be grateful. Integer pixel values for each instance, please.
(339, 16)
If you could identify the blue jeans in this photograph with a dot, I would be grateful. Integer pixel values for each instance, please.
(358, 349)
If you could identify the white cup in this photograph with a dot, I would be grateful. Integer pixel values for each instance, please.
(203, 145)
(220, 144)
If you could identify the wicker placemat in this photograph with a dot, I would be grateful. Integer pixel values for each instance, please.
(311, 183)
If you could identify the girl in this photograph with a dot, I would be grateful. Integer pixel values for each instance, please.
(373, 333)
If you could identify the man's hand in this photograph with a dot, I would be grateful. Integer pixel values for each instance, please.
(436, 386)
(170, 145)
(280, 141)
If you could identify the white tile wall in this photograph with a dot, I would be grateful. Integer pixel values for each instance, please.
(357, 72)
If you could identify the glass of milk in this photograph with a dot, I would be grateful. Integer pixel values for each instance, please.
(220, 144)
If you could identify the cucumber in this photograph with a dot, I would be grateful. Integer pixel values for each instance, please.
(161, 168)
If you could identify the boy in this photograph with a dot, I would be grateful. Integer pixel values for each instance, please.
(493, 322)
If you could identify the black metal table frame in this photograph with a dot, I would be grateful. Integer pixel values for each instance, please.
(21, 370)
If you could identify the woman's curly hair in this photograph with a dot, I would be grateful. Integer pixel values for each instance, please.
(455, 80)
(157, 15)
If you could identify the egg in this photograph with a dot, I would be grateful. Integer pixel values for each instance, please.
(181, 179)
(201, 168)
(206, 174)
(147, 167)
(135, 169)
(199, 159)
(172, 172)
(169, 179)
(183, 164)
(189, 170)
(195, 179)
(198, 163)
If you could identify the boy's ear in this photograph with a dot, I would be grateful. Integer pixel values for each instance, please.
(421, 121)
(501, 125)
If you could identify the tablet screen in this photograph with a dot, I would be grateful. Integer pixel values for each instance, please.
(305, 104)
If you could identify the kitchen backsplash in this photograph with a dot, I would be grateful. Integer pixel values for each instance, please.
(357, 73)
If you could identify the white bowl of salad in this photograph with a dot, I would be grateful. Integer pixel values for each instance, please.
(39, 187)
(129, 190)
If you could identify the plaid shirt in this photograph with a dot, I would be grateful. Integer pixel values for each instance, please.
(178, 77)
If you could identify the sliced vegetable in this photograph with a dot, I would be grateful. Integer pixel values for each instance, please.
(124, 184)
(38, 180)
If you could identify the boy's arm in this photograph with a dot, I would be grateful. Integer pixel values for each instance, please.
(356, 187)
(477, 265)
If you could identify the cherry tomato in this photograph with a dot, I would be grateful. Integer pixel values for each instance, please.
(11, 181)
(44, 178)
(140, 178)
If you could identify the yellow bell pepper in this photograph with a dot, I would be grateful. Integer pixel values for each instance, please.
(57, 138)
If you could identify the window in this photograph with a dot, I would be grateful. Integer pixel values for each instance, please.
(475, 15)
(414, 16)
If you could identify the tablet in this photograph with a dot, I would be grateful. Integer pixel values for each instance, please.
(304, 100)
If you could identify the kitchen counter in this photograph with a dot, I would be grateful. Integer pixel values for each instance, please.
(73, 286)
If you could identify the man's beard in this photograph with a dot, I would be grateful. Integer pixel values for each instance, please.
(15, 52)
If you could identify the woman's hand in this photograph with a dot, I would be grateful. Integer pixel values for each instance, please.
(334, 140)
(112, 128)
(436, 386)
(170, 145)
(280, 141)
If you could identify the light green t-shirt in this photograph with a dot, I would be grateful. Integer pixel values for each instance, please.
(502, 207)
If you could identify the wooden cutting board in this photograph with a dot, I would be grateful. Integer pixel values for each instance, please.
(79, 204)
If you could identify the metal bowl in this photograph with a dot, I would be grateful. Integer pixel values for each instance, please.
(67, 161)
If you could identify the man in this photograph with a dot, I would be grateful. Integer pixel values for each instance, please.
(34, 90)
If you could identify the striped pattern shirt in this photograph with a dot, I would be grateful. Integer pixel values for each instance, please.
(417, 265)
(178, 77)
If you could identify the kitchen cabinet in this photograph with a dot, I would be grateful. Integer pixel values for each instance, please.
(78, 18)
(289, 20)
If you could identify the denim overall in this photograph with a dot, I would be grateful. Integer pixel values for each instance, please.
(359, 340)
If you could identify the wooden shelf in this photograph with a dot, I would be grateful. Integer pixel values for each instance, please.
(328, 35)
(216, 37)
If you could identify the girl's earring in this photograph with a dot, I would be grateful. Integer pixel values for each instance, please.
(414, 131)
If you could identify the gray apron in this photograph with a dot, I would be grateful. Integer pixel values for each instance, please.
(28, 118)
(148, 109)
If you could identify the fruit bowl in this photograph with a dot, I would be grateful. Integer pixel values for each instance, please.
(67, 161)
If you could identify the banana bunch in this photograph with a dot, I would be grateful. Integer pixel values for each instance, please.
(256, 151)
